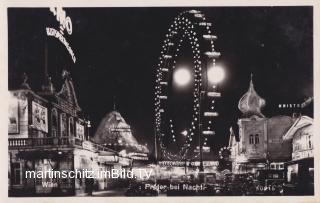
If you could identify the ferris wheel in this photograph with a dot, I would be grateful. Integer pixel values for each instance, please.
(190, 29)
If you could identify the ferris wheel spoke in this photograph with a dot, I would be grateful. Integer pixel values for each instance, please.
(188, 27)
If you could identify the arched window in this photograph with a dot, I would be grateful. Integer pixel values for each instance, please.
(251, 139)
(54, 123)
(256, 139)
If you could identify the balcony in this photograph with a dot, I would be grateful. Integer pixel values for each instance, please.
(40, 142)
(54, 142)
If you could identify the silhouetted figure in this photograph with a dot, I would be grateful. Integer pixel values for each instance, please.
(89, 185)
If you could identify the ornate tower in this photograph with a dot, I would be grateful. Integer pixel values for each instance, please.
(252, 126)
(251, 103)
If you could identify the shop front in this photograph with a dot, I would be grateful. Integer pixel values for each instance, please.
(300, 170)
(34, 172)
(300, 173)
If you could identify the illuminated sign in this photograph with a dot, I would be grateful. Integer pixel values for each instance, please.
(65, 25)
(39, 117)
(139, 158)
(65, 21)
(289, 106)
(210, 114)
(13, 125)
(55, 33)
(108, 159)
(188, 163)
(138, 154)
(214, 94)
(172, 163)
(208, 132)
(80, 130)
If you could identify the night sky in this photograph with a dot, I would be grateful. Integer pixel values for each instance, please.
(117, 51)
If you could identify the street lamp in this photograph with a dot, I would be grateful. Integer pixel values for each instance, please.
(216, 74)
(182, 76)
(185, 132)
(88, 123)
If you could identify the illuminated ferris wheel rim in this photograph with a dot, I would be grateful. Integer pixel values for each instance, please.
(185, 25)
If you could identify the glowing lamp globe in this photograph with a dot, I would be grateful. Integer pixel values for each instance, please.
(182, 77)
(185, 132)
(216, 74)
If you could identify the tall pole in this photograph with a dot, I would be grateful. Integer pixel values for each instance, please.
(114, 102)
(156, 153)
(200, 131)
(155, 145)
(185, 166)
(201, 169)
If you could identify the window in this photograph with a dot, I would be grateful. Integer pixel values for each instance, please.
(16, 174)
(54, 121)
(71, 127)
(256, 139)
(309, 142)
(296, 146)
(272, 166)
(281, 166)
(251, 139)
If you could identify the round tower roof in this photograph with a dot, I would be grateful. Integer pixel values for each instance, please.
(251, 103)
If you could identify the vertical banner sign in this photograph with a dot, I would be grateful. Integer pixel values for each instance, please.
(39, 117)
(80, 130)
(13, 123)
(65, 26)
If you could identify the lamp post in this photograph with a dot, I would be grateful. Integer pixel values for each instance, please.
(88, 128)
(201, 169)
(185, 133)
(214, 75)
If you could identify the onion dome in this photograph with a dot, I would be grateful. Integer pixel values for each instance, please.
(251, 103)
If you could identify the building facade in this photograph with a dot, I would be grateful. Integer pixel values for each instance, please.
(300, 170)
(259, 143)
(48, 132)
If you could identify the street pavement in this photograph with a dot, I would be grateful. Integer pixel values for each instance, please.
(106, 193)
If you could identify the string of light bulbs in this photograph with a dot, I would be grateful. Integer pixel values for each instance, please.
(191, 26)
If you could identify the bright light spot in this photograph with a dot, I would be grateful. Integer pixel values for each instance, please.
(216, 74)
(185, 132)
(182, 76)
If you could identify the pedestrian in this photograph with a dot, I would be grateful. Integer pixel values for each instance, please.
(89, 185)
